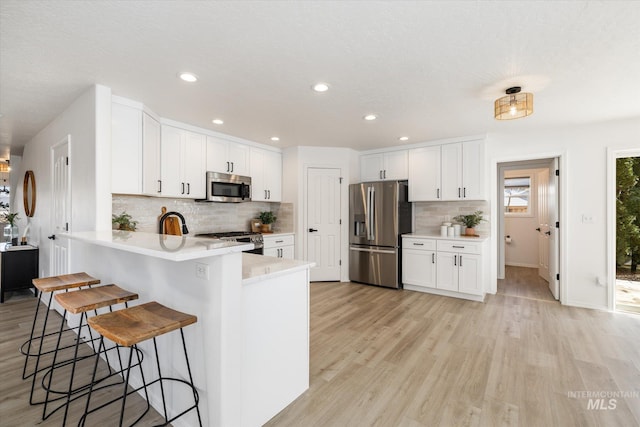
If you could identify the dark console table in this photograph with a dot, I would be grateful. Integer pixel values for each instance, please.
(17, 268)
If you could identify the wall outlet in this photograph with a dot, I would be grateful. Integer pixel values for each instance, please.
(202, 270)
(587, 219)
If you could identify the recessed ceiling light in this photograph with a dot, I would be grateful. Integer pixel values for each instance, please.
(370, 117)
(217, 121)
(275, 139)
(321, 87)
(188, 77)
(403, 138)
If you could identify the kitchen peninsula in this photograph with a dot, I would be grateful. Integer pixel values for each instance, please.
(249, 350)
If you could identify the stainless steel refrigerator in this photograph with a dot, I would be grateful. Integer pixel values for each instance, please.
(379, 213)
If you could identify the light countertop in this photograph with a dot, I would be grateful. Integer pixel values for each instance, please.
(256, 268)
(173, 248)
(278, 234)
(439, 237)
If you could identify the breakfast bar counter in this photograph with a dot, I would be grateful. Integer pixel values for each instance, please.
(249, 349)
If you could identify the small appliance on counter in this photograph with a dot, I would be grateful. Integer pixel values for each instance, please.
(379, 212)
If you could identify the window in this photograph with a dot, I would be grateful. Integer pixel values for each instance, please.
(517, 191)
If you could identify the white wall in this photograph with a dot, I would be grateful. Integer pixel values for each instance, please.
(296, 161)
(523, 249)
(583, 175)
(85, 121)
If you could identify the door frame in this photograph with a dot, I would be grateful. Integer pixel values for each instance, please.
(497, 219)
(612, 156)
(344, 201)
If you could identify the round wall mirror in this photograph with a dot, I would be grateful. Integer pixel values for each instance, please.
(29, 193)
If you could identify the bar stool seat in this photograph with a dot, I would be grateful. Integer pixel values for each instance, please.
(80, 302)
(131, 326)
(45, 285)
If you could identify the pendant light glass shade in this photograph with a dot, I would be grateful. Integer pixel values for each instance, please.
(514, 105)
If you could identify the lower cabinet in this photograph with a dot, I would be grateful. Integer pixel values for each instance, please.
(446, 267)
(279, 246)
(17, 269)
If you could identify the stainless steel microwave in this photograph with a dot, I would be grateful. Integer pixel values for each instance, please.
(224, 187)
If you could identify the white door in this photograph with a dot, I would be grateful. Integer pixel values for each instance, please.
(544, 230)
(61, 207)
(554, 238)
(323, 223)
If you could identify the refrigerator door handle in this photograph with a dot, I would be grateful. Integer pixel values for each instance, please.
(372, 214)
(373, 251)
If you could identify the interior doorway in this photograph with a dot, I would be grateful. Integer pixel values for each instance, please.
(627, 235)
(528, 225)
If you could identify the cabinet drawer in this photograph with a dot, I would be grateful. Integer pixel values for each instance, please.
(459, 247)
(418, 244)
(278, 241)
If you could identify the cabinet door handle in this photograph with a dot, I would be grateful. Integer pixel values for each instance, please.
(455, 260)
(269, 191)
(265, 194)
(183, 188)
(437, 193)
(188, 188)
(459, 192)
(380, 174)
(159, 186)
(464, 192)
(231, 166)
(279, 241)
(433, 258)
(459, 247)
(228, 170)
(384, 175)
(418, 244)
(52, 237)
(460, 261)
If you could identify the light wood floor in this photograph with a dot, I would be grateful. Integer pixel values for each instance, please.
(16, 317)
(524, 282)
(383, 357)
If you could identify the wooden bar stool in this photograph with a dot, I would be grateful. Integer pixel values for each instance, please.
(80, 302)
(129, 327)
(48, 285)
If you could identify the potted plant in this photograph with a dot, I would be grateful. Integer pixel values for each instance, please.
(470, 221)
(11, 229)
(267, 218)
(123, 222)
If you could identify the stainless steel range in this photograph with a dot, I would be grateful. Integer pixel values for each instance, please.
(239, 236)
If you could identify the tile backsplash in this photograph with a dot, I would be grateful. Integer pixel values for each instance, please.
(430, 215)
(201, 217)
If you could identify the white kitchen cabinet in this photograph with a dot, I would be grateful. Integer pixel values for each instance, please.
(151, 177)
(419, 262)
(392, 165)
(279, 246)
(450, 171)
(424, 174)
(126, 149)
(445, 267)
(227, 157)
(135, 150)
(183, 163)
(266, 175)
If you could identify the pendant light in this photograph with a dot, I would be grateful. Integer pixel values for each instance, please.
(514, 105)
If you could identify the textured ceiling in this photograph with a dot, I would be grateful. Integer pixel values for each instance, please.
(429, 69)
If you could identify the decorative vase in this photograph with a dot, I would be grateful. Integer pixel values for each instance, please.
(11, 234)
(470, 231)
(265, 228)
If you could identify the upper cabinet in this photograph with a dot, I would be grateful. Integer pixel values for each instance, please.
(266, 175)
(227, 157)
(135, 150)
(183, 163)
(392, 165)
(447, 172)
